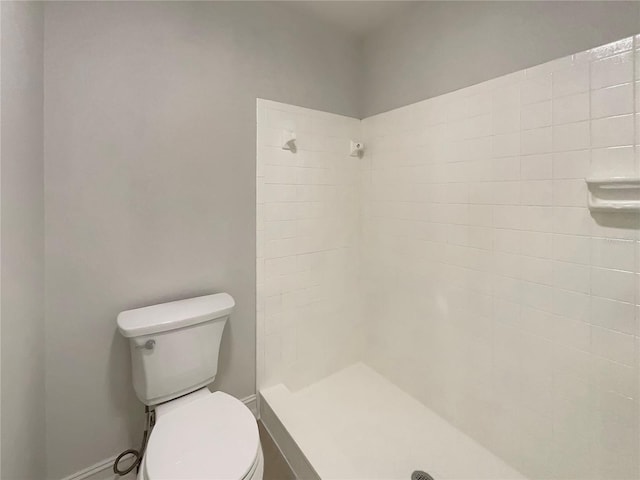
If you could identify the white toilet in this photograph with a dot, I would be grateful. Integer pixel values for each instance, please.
(197, 434)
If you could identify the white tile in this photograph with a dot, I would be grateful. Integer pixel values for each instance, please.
(612, 345)
(506, 145)
(506, 98)
(457, 193)
(571, 454)
(573, 305)
(611, 49)
(571, 220)
(506, 121)
(571, 80)
(273, 347)
(536, 141)
(537, 270)
(569, 248)
(613, 315)
(537, 322)
(536, 115)
(507, 217)
(538, 192)
(616, 225)
(506, 192)
(614, 70)
(507, 241)
(508, 289)
(612, 131)
(572, 332)
(506, 264)
(570, 193)
(505, 168)
(572, 164)
(275, 267)
(537, 296)
(478, 126)
(614, 161)
(536, 89)
(537, 218)
(571, 276)
(613, 284)
(569, 415)
(611, 101)
(508, 313)
(279, 193)
(280, 211)
(279, 174)
(571, 136)
(536, 167)
(613, 253)
(481, 193)
(613, 377)
(536, 244)
(571, 108)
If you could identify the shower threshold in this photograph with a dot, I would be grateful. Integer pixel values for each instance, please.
(355, 424)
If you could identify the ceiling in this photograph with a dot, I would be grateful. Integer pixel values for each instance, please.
(357, 17)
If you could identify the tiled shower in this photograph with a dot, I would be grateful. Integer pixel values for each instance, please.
(459, 259)
(308, 237)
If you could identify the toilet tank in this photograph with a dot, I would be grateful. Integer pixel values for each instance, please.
(174, 346)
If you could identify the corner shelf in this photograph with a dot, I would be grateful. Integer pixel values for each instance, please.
(614, 194)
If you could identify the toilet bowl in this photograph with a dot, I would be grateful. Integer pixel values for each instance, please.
(197, 435)
(255, 473)
(203, 436)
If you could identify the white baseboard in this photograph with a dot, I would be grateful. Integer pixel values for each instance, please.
(100, 471)
(251, 404)
(104, 470)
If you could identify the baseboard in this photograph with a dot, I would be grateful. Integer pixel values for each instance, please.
(100, 471)
(252, 404)
(104, 470)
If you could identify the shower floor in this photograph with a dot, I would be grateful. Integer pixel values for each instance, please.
(355, 424)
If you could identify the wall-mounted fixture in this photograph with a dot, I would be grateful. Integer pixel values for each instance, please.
(614, 194)
(289, 141)
(357, 149)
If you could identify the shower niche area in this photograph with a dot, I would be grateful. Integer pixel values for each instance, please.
(462, 299)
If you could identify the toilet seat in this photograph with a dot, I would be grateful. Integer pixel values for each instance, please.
(215, 436)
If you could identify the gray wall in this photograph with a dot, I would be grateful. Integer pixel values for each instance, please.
(150, 158)
(438, 47)
(22, 239)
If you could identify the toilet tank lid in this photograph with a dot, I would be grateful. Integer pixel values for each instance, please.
(172, 315)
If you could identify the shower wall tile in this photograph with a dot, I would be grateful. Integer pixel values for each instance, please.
(491, 292)
(614, 70)
(308, 205)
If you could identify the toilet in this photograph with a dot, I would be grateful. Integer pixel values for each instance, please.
(197, 434)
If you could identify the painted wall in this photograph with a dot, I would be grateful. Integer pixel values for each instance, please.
(150, 144)
(493, 294)
(22, 259)
(438, 47)
(308, 233)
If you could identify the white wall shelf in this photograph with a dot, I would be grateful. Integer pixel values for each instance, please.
(615, 194)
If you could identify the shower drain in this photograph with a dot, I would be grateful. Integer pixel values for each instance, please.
(420, 475)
